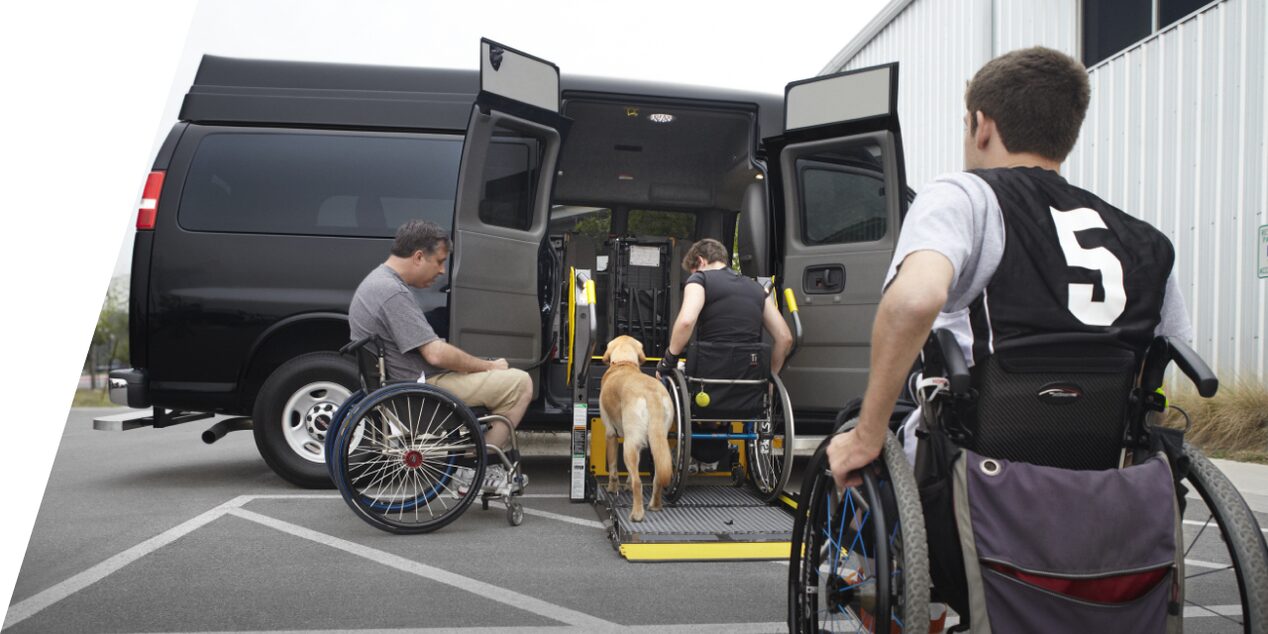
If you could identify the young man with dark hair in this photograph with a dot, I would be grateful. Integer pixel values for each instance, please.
(1009, 248)
(384, 305)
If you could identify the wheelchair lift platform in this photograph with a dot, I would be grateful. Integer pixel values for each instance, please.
(708, 523)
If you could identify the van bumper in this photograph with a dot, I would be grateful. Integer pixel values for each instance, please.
(130, 387)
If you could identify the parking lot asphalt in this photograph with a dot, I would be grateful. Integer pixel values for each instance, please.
(153, 531)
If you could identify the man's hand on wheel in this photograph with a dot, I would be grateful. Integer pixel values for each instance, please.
(851, 451)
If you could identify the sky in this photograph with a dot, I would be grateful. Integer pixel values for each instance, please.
(89, 89)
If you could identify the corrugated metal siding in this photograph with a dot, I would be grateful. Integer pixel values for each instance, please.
(1175, 133)
(953, 39)
(1026, 23)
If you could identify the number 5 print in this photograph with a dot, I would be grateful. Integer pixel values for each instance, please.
(1081, 304)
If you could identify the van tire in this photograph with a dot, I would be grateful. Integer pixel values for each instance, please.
(291, 413)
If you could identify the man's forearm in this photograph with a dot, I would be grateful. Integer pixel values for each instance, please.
(902, 325)
(452, 358)
(680, 336)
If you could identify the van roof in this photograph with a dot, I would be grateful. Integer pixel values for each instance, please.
(234, 90)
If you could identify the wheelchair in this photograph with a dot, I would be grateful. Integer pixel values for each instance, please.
(727, 393)
(409, 457)
(860, 559)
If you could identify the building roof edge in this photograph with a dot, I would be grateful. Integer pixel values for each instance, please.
(864, 36)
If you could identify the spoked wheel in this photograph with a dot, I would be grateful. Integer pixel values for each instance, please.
(335, 422)
(409, 459)
(859, 560)
(770, 457)
(1224, 549)
(677, 386)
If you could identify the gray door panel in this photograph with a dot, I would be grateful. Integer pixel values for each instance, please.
(500, 214)
(842, 216)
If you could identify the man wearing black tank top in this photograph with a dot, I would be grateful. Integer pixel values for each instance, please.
(727, 308)
(1009, 248)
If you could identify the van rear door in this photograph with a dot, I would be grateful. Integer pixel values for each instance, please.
(504, 187)
(838, 170)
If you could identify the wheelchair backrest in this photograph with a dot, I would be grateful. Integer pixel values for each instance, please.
(370, 363)
(1060, 401)
(729, 361)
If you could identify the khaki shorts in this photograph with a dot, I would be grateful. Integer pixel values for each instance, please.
(496, 390)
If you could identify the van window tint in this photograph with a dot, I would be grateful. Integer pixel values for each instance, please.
(316, 183)
(668, 224)
(510, 180)
(843, 197)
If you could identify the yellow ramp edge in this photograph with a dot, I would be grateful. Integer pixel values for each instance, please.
(709, 551)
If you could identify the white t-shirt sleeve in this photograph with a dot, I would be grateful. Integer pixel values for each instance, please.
(1175, 315)
(956, 215)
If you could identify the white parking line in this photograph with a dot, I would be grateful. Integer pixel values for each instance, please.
(683, 628)
(32, 605)
(1212, 525)
(479, 588)
(561, 518)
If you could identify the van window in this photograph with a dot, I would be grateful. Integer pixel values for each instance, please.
(320, 183)
(669, 224)
(843, 197)
(591, 222)
(510, 180)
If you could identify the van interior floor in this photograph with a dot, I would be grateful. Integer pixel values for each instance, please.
(708, 523)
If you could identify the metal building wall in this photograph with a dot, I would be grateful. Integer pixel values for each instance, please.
(1175, 134)
(938, 45)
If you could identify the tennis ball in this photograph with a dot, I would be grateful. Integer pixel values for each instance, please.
(702, 399)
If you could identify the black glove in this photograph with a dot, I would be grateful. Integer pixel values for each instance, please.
(668, 361)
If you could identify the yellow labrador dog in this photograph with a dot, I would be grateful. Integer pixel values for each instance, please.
(637, 407)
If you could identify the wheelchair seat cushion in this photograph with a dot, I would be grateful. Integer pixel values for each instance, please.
(715, 360)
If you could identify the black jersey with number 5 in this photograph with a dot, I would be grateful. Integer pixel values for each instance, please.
(1071, 263)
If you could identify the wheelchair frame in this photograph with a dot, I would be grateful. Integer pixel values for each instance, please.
(416, 470)
(820, 591)
(757, 434)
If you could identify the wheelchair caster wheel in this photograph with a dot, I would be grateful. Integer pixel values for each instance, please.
(737, 476)
(484, 503)
(515, 513)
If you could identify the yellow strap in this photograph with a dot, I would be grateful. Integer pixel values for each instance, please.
(790, 299)
(572, 317)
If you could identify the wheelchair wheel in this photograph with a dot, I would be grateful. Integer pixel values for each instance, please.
(1222, 543)
(677, 386)
(336, 421)
(409, 459)
(859, 560)
(770, 457)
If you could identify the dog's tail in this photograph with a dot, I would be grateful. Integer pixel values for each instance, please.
(659, 443)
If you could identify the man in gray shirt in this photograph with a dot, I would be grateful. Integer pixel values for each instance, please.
(384, 305)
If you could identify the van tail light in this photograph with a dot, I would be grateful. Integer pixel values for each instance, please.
(148, 209)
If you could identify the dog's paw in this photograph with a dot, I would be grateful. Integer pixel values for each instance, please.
(655, 507)
(613, 486)
(636, 515)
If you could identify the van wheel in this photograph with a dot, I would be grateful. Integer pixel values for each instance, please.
(293, 411)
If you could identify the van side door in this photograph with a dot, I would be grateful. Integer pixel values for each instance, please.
(500, 215)
(839, 173)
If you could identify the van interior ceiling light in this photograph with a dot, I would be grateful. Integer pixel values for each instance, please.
(631, 111)
(661, 117)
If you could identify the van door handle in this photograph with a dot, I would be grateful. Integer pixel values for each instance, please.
(824, 279)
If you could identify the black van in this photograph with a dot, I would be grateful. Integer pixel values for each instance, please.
(283, 182)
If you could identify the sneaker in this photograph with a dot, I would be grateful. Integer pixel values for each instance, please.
(702, 467)
(497, 481)
(463, 477)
